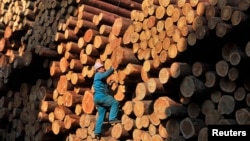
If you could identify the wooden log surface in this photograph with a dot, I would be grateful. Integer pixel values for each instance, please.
(148, 42)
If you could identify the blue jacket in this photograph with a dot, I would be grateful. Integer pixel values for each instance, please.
(100, 85)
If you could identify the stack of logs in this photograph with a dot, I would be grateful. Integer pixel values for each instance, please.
(163, 95)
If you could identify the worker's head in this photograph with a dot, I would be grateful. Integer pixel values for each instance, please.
(99, 67)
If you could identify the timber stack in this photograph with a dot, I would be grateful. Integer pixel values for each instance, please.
(180, 65)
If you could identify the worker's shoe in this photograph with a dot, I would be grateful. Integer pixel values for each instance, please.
(98, 136)
(113, 122)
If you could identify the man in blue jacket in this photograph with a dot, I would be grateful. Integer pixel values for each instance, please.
(102, 99)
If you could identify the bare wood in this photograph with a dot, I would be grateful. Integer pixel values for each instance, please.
(146, 136)
(211, 79)
(48, 106)
(118, 131)
(243, 5)
(155, 86)
(202, 32)
(213, 117)
(226, 104)
(64, 85)
(45, 93)
(160, 12)
(82, 133)
(71, 98)
(191, 127)
(92, 51)
(222, 29)
(137, 134)
(85, 24)
(201, 7)
(222, 68)
(86, 120)
(227, 85)
(87, 60)
(199, 68)
(164, 76)
(89, 35)
(233, 73)
(123, 56)
(105, 29)
(242, 116)
(191, 85)
(191, 39)
(173, 127)
(70, 35)
(61, 111)
(161, 104)
(128, 123)
(226, 12)
(103, 19)
(126, 36)
(142, 122)
(127, 108)
(142, 107)
(180, 69)
(215, 96)
(100, 41)
(85, 15)
(72, 47)
(239, 94)
(58, 127)
(203, 134)
(71, 121)
(162, 130)
(149, 66)
(207, 106)
(212, 22)
(120, 25)
(156, 137)
(42, 117)
(78, 79)
(182, 44)
(75, 65)
(141, 91)
(88, 105)
(193, 110)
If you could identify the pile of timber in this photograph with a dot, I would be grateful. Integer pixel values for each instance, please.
(168, 88)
